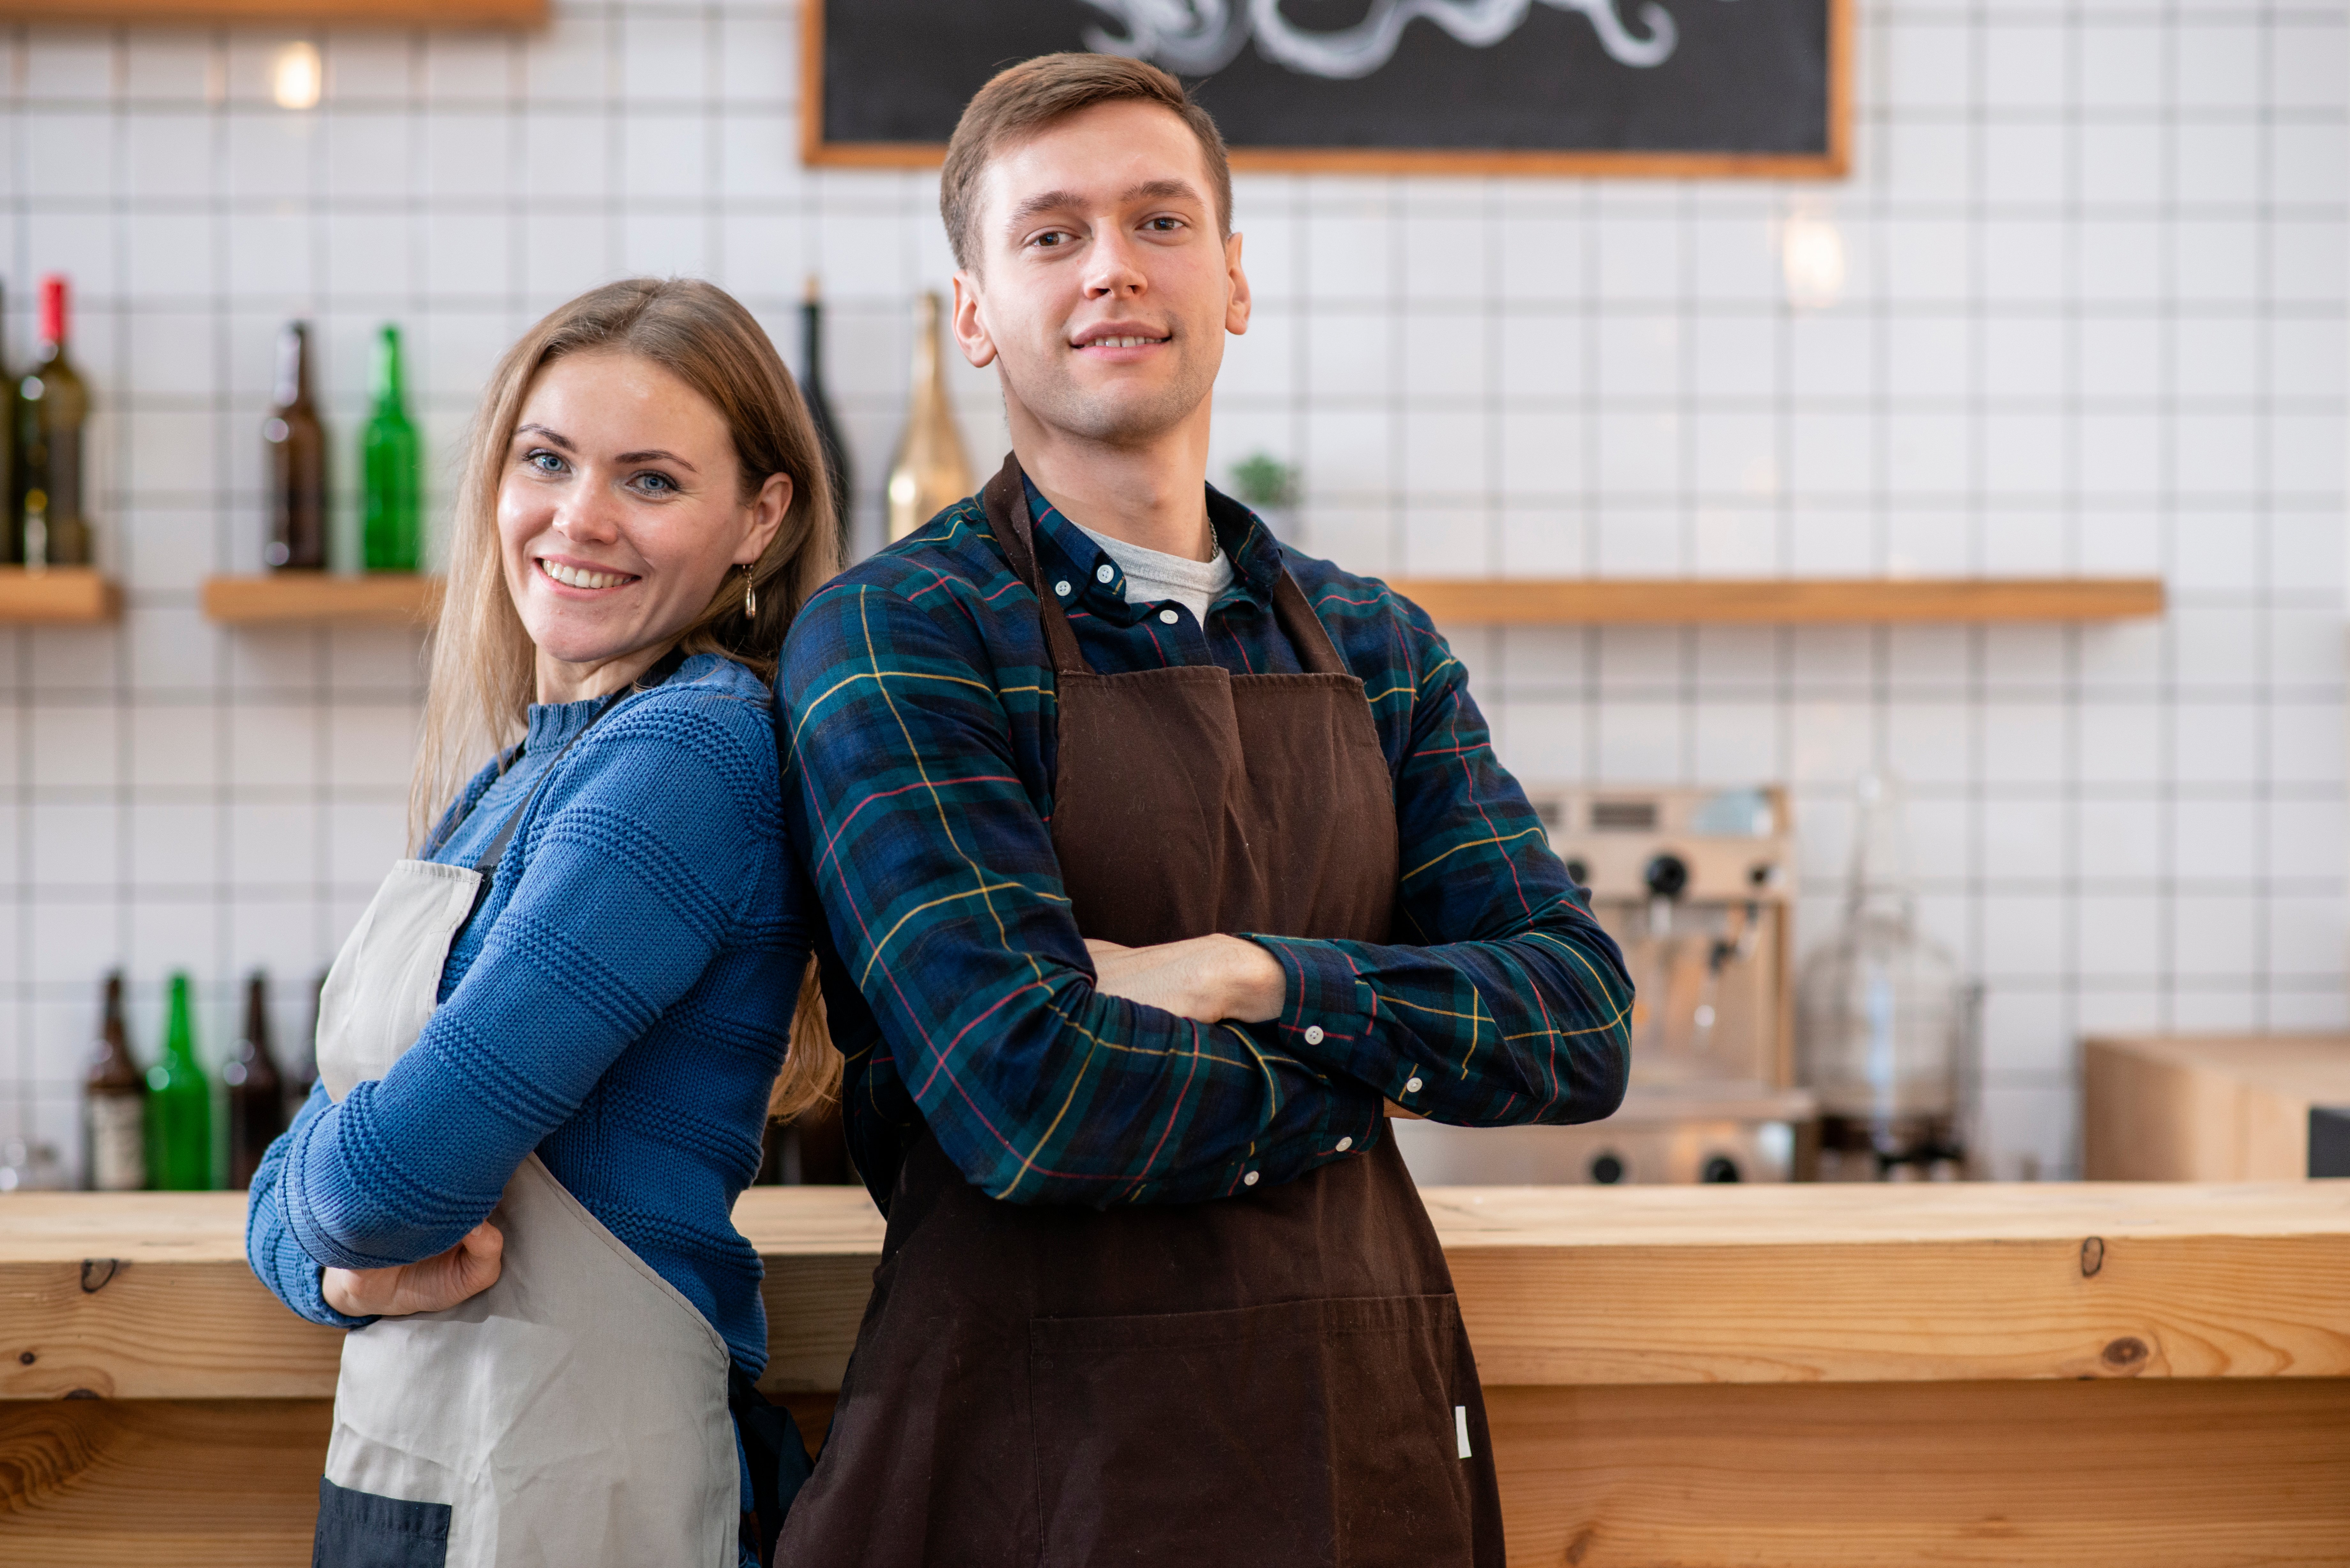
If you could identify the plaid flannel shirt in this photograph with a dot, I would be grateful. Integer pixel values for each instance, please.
(917, 701)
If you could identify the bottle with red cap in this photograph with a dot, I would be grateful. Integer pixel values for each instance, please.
(52, 409)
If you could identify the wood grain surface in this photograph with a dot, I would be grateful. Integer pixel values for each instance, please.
(2183, 1473)
(1778, 601)
(2206, 1107)
(392, 597)
(147, 1296)
(2001, 1475)
(60, 596)
(101, 1483)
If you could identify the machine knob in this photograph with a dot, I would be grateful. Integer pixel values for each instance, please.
(1667, 876)
(1606, 1169)
(1720, 1168)
(1578, 873)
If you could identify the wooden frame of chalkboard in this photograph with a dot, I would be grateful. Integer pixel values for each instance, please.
(1831, 159)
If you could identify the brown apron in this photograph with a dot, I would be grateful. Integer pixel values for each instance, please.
(1273, 1380)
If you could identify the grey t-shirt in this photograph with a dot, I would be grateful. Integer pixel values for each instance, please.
(1153, 575)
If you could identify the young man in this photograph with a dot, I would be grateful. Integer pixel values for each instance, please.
(1157, 859)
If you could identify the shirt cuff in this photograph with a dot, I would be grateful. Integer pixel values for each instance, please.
(1330, 1017)
(1350, 1122)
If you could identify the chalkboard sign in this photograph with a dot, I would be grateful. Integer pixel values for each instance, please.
(1695, 87)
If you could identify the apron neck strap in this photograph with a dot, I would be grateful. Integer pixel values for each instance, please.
(1006, 501)
(1316, 652)
(487, 863)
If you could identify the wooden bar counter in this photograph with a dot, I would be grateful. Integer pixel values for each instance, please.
(2126, 1374)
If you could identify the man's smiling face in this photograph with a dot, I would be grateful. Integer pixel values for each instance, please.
(1103, 281)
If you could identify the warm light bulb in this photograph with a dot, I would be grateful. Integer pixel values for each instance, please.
(294, 76)
(1811, 255)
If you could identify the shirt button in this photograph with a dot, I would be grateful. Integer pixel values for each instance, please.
(1411, 1086)
(1167, 616)
(1345, 1144)
(1105, 572)
(1062, 588)
(1314, 1034)
(1250, 1180)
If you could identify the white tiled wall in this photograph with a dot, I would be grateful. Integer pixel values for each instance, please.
(2093, 320)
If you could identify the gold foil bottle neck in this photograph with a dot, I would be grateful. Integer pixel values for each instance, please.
(930, 471)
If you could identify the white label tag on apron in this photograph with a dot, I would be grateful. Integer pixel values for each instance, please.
(1460, 1428)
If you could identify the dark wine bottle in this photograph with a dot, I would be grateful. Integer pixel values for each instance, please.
(304, 1074)
(114, 1104)
(256, 1089)
(12, 491)
(819, 406)
(52, 407)
(294, 446)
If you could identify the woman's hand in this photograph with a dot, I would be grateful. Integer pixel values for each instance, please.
(1206, 978)
(464, 1271)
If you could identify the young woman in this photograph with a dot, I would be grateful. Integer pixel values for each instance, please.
(548, 1051)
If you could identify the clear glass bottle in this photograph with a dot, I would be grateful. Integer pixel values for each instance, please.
(1880, 1017)
(930, 472)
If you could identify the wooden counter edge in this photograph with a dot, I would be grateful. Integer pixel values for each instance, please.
(2000, 1310)
(176, 1229)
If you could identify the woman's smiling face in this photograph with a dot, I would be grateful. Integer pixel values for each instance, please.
(619, 512)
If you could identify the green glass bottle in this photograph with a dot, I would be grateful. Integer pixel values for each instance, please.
(391, 534)
(178, 1105)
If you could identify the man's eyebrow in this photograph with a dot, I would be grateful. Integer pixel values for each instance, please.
(1051, 200)
(563, 441)
(1161, 191)
(1058, 200)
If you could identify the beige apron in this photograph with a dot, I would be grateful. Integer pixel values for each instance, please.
(574, 1414)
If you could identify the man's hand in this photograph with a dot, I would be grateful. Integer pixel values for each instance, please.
(1207, 978)
(464, 1271)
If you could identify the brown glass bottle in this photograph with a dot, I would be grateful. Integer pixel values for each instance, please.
(256, 1089)
(114, 1105)
(294, 448)
(304, 1077)
(52, 409)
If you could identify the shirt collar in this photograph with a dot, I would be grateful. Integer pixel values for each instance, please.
(1066, 554)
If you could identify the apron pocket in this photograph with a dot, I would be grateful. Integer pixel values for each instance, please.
(361, 1530)
(1313, 1432)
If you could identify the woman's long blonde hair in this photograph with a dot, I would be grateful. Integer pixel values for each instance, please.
(483, 661)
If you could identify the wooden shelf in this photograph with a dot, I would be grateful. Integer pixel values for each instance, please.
(60, 596)
(183, 13)
(1777, 601)
(283, 598)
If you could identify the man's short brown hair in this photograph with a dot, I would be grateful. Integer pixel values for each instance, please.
(1020, 101)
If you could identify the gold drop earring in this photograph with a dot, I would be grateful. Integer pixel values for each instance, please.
(749, 593)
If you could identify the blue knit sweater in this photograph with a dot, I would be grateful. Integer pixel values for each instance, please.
(620, 1002)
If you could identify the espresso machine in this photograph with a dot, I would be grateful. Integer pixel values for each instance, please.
(1695, 885)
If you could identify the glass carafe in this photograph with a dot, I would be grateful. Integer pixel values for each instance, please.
(1881, 1015)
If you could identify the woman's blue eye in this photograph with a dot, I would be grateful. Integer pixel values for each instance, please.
(544, 461)
(658, 483)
